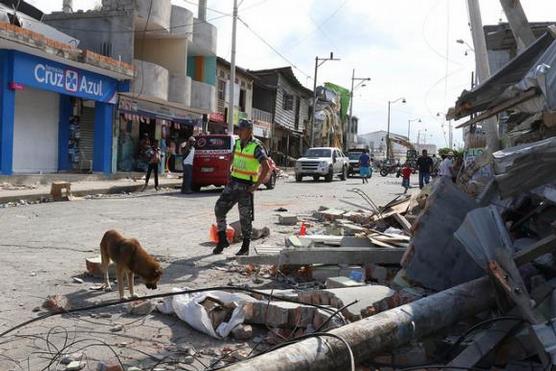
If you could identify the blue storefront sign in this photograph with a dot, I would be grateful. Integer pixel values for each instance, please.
(20, 71)
(43, 74)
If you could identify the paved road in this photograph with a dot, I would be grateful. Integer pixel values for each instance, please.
(43, 246)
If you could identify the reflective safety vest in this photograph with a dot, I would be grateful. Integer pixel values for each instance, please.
(245, 165)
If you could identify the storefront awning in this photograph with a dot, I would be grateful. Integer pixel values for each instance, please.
(159, 109)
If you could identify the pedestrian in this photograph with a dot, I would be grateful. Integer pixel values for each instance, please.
(406, 175)
(446, 165)
(364, 165)
(425, 165)
(249, 168)
(188, 151)
(153, 156)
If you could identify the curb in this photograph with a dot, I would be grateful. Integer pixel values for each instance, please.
(85, 192)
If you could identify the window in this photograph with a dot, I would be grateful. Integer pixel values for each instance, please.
(106, 49)
(287, 101)
(221, 89)
(242, 94)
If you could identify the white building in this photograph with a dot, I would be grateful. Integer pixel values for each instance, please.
(376, 141)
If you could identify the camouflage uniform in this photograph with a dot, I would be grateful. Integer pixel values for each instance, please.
(235, 192)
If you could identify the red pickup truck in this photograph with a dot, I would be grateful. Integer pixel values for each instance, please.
(213, 160)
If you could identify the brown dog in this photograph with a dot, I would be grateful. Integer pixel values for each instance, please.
(130, 259)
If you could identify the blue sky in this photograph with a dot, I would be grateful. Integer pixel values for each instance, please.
(407, 47)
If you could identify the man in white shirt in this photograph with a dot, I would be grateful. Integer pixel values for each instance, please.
(446, 166)
(188, 155)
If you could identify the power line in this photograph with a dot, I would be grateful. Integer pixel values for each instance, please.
(273, 48)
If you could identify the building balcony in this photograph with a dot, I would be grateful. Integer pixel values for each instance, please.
(204, 39)
(150, 79)
(154, 16)
(181, 23)
(260, 115)
(203, 96)
(180, 89)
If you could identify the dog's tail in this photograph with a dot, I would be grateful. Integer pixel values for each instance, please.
(104, 255)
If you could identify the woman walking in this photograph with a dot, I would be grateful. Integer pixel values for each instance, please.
(364, 165)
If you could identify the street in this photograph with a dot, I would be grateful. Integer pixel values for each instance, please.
(45, 245)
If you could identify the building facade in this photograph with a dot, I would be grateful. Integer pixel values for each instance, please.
(57, 103)
(279, 96)
(376, 142)
(174, 55)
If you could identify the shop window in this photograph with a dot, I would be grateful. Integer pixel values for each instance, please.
(221, 89)
(287, 102)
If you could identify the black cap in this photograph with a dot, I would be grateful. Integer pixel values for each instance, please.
(245, 124)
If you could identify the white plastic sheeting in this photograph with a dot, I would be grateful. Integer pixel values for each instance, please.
(188, 308)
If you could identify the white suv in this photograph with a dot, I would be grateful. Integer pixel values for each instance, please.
(322, 161)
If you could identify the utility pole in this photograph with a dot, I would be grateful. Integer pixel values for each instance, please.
(232, 73)
(409, 128)
(482, 67)
(388, 132)
(317, 65)
(361, 83)
(518, 23)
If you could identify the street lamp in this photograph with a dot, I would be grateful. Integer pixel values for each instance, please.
(360, 84)
(318, 62)
(469, 47)
(388, 132)
(409, 127)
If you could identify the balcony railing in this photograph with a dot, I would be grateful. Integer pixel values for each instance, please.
(261, 115)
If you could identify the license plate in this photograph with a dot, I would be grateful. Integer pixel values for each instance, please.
(207, 169)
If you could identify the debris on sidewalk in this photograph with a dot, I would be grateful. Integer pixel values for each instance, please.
(56, 303)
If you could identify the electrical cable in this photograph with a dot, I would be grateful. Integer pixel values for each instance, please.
(336, 313)
(143, 47)
(272, 48)
(158, 296)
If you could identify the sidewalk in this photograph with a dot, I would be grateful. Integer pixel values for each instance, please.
(87, 186)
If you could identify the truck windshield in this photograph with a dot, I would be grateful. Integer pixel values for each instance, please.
(213, 143)
(318, 152)
(354, 155)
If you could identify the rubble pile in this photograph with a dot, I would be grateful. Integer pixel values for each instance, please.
(473, 272)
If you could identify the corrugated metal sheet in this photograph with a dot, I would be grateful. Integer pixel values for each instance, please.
(87, 132)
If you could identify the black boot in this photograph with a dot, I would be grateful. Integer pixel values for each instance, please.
(244, 247)
(222, 243)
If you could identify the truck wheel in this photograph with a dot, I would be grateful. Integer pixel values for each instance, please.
(271, 182)
(316, 178)
(383, 172)
(329, 176)
(298, 177)
(344, 173)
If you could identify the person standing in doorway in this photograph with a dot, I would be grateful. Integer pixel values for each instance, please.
(425, 165)
(364, 165)
(188, 155)
(153, 155)
(249, 168)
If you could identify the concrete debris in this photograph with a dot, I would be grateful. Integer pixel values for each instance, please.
(339, 282)
(242, 332)
(287, 219)
(75, 366)
(56, 303)
(109, 366)
(140, 307)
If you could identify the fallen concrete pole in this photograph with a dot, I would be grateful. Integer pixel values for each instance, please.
(378, 333)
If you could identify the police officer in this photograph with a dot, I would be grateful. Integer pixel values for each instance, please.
(249, 169)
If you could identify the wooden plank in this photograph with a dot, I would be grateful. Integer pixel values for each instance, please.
(379, 242)
(544, 246)
(501, 107)
(406, 225)
(345, 255)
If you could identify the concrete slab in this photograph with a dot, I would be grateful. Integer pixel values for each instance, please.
(287, 219)
(339, 282)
